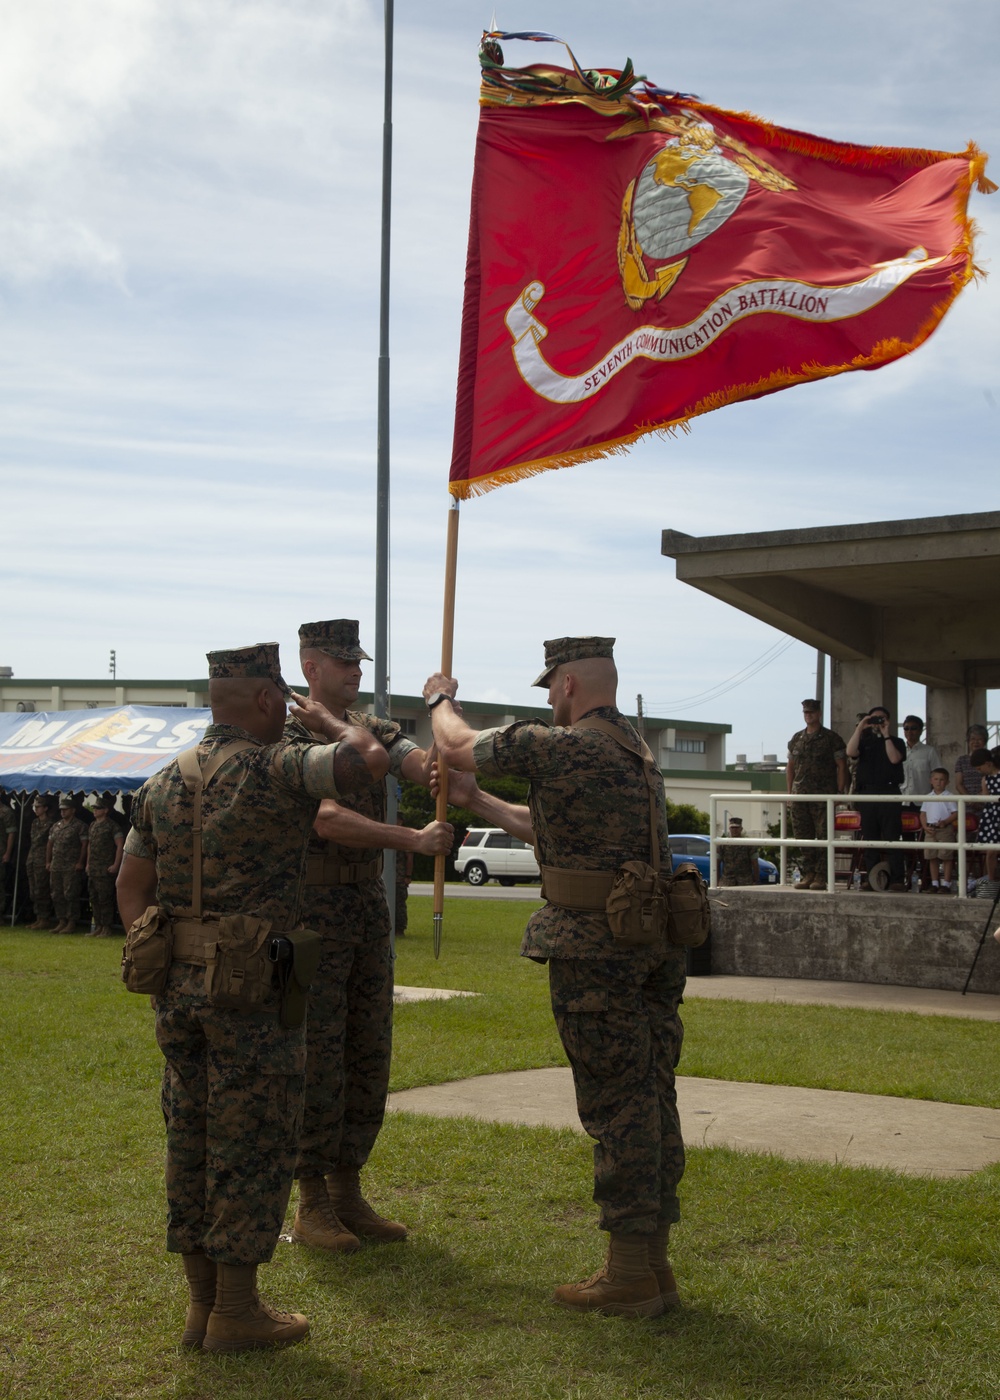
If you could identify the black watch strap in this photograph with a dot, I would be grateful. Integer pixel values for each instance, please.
(436, 699)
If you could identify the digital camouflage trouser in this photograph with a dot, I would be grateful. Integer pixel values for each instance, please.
(619, 1022)
(102, 900)
(39, 889)
(348, 1028)
(232, 1102)
(809, 824)
(65, 886)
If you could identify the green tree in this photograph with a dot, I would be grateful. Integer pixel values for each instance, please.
(685, 817)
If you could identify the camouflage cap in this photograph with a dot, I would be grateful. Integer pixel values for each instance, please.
(337, 637)
(259, 662)
(105, 804)
(564, 649)
(66, 800)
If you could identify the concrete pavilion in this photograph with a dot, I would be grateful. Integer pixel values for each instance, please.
(912, 598)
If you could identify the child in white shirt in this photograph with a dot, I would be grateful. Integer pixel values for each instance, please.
(939, 820)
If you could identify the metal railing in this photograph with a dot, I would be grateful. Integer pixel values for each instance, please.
(839, 839)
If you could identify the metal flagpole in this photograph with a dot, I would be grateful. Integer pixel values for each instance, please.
(447, 648)
(381, 682)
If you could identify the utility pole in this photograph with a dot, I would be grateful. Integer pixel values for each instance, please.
(382, 472)
(640, 718)
(113, 667)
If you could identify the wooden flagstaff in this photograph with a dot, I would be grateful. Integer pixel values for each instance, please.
(447, 648)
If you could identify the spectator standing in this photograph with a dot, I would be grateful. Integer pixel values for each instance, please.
(65, 858)
(8, 833)
(969, 783)
(939, 819)
(985, 763)
(921, 759)
(880, 756)
(817, 762)
(104, 857)
(739, 863)
(38, 876)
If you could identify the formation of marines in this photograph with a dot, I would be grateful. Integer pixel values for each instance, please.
(250, 886)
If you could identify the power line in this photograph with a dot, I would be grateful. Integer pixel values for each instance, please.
(739, 678)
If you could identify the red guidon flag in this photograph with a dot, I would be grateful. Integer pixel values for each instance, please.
(637, 257)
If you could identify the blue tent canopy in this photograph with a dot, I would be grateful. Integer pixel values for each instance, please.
(94, 750)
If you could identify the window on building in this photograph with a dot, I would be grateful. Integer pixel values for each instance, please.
(407, 726)
(689, 745)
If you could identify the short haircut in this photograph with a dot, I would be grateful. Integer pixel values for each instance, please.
(977, 729)
(940, 770)
(980, 756)
(913, 719)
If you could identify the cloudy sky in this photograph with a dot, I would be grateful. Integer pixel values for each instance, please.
(189, 226)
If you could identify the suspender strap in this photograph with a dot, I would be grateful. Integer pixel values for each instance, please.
(638, 747)
(196, 779)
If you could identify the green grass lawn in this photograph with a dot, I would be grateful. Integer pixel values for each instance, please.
(799, 1280)
(510, 1026)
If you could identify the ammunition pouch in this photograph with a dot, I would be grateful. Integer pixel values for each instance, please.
(147, 953)
(239, 973)
(689, 915)
(296, 959)
(636, 906)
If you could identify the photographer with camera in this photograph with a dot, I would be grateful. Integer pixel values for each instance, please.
(880, 757)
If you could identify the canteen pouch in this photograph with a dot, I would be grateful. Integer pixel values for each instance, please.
(148, 952)
(295, 975)
(688, 913)
(636, 907)
(239, 974)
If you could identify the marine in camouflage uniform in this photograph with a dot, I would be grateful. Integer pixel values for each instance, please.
(739, 863)
(616, 1007)
(103, 861)
(66, 858)
(8, 847)
(38, 876)
(817, 762)
(233, 1080)
(349, 1023)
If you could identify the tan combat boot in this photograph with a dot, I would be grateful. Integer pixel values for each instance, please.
(317, 1223)
(344, 1186)
(660, 1265)
(806, 883)
(624, 1287)
(242, 1321)
(200, 1274)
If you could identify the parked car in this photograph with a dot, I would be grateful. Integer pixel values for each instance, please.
(695, 849)
(488, 853)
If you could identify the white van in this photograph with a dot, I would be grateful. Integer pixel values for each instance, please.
(488, 853)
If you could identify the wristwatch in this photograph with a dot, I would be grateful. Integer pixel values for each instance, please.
(436, 699)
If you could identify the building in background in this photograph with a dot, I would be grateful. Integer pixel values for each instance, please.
(691, 754)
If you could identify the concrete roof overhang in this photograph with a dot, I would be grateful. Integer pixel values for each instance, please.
(921, 595)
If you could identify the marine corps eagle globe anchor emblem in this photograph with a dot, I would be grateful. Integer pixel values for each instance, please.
(683, 194)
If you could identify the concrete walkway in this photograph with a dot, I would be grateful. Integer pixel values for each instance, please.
(906, 1135)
